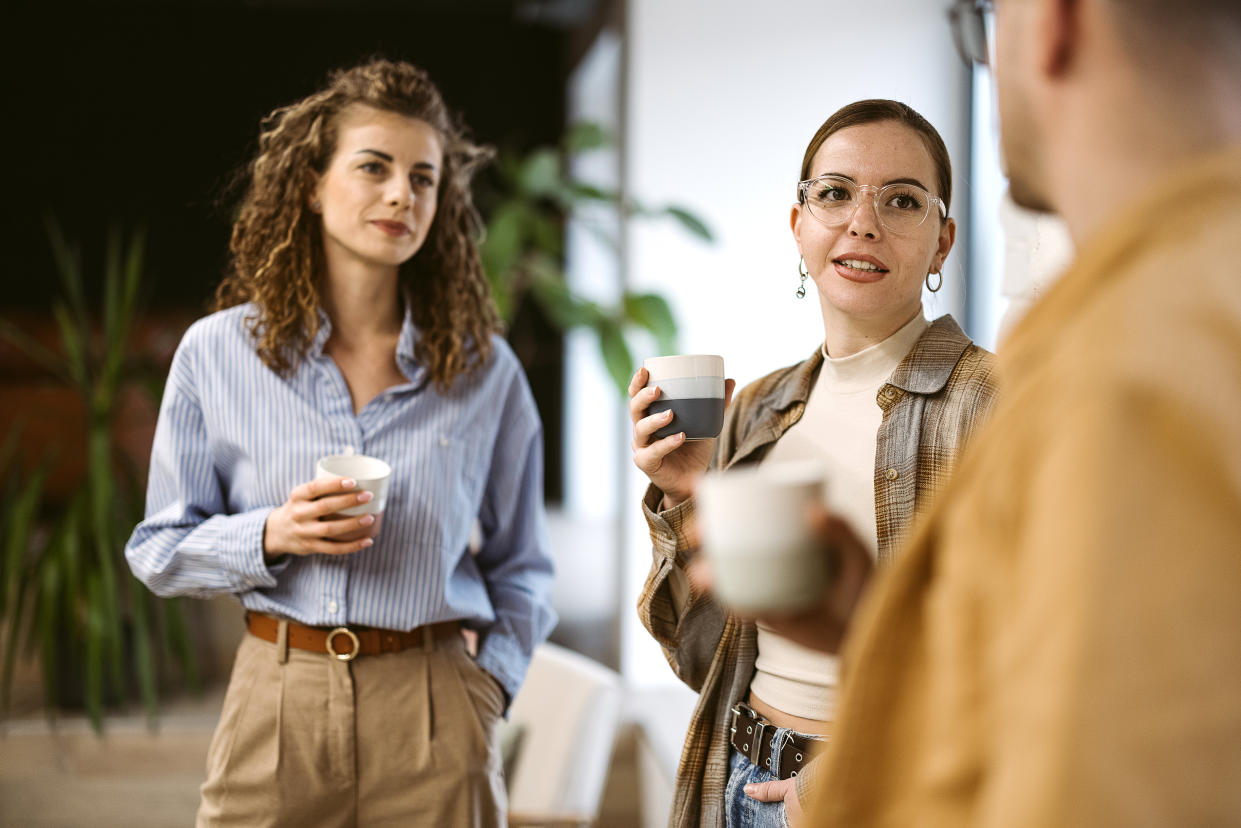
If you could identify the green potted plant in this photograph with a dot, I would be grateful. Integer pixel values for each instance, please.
(65, 589)
(523, 249)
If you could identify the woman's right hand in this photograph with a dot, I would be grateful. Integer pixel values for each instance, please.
(308, 522)
(672, 463)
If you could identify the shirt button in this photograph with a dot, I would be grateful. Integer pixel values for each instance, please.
(443, 440)
(892, 474)
(888, 393)
(331, 607)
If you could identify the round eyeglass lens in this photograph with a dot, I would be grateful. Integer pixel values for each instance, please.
(902, 207)
(899, 207)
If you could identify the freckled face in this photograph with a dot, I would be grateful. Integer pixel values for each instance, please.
(863, 270)
(378, 194)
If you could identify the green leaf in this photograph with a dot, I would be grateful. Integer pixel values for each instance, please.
(101, 481)
(580, 190)
(74, 337)
(69, 543)
(34, 349)
(501, 248)
(15, 626)
(508, 167)
(564, 309)
(47, 630)
(143, 659)
(546, 234)
(22, 512)
(540, 173)
(652, 312)
(615, 353)
(68, 266)
(586, 135)
(174, 624)
(111, 284)
(122, 286)
(690, 222)
(95, 633)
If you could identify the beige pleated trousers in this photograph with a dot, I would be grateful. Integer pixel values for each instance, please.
(403, 739)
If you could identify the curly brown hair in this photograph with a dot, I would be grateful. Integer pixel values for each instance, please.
(276, 248)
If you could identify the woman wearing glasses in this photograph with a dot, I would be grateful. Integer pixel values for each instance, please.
(886, 402)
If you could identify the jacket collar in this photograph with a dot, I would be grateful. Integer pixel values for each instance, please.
(932, 359)
(924, 370)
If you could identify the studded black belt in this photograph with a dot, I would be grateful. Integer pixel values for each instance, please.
(754, 737)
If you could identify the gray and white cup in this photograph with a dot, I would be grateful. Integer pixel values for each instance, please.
(755, 534)
(369, 473)
(692, 385)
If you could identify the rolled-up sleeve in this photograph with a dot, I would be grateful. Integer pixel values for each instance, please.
(188, 544)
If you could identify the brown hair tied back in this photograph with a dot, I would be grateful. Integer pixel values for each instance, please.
(277, 248)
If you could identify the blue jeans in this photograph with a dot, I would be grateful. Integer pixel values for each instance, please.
(742, 811)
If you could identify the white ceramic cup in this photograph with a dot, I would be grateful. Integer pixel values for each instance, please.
(755, 535)
(370, 473)
(692, 385)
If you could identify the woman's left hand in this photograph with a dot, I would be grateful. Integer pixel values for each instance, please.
(775, 790)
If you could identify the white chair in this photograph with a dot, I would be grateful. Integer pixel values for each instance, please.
(561, 730)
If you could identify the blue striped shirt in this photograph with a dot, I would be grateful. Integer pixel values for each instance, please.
(234, 438)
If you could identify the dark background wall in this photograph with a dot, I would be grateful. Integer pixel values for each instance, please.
(131, 113)
(139, 112)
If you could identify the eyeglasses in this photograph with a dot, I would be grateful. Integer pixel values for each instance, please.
(973, 22)
(901, 208)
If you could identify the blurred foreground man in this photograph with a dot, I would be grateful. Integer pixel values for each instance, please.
(1060, 643)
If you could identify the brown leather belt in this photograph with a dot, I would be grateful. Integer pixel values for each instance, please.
(754, 737)
(347, 643)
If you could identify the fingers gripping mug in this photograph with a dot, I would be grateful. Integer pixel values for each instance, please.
(370, 473)
(755, 535)
(692, 385)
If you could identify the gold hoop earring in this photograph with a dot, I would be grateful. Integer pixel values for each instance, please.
(803, 273)
(938, 284)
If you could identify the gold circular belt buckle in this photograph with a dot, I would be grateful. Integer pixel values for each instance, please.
(352, 654)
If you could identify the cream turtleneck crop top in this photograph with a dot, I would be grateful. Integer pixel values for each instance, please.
(838, 428)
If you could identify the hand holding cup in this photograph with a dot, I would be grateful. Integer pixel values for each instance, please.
(674, 436)
(773, 553)
(337, 513)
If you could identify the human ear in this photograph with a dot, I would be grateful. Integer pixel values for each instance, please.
(947, 237)
(313, 201)
(1059, 28)
(795, 223)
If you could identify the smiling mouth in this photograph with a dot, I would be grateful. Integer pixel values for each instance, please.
(859, 265)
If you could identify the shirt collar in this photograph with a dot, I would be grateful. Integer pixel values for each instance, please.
(315, 351)
(406, 343)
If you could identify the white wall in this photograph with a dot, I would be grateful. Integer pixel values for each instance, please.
(1015, 254)
(722, 98)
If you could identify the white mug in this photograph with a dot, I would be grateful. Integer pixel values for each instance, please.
(755, 535)
(369, 473)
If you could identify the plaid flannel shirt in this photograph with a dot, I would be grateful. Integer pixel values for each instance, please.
(933, 401)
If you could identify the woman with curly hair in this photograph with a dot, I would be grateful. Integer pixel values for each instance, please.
(356, 318)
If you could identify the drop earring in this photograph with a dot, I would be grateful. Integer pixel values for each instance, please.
(803, 273)
(938, 284)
